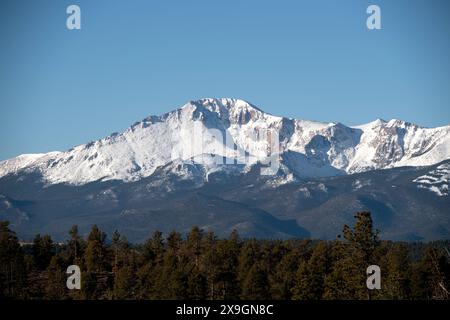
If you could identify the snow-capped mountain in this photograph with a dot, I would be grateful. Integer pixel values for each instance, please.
(203, 164)
(232, 129)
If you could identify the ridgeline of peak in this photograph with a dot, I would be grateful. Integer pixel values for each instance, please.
(223, 103)
(228, 109)
(223, 107)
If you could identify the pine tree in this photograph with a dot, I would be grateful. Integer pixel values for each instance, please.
(227, 253)
(95, 280)
(189, 268)
(125, 267)
(283, 278)
(193, 244)
(250, 253)
(174, 242)
(396, 271)
(431, 276)
(12, 271)
(340, 282)
(116, 248)
(96, 252)
(347, 279)
(56, 284)
(172, 280)
(151, 267)
(256, 286)
(153, 249)
(363, 237)
(146, 277)
(197, 286)
(125, 283)
(209, 264)
(310, 278)
(42, 251)
(75, 247)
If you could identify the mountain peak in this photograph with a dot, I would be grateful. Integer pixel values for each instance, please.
(222, 104)
(399, 123)
(376, 123)
(229, 109)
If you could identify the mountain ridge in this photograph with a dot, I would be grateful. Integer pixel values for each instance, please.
(307, 148)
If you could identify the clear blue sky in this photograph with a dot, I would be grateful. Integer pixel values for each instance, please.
(309, 59)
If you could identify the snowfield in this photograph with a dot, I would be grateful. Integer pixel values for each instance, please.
(436, 181)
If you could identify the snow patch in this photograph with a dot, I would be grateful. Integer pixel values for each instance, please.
(436, 181)
(358, 184)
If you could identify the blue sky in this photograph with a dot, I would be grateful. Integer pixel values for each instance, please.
(311, 59)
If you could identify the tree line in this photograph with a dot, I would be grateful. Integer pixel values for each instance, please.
(202, 266)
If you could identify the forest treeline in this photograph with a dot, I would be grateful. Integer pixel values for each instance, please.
(201, 266)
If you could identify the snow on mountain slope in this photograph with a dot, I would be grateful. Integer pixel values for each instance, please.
(18, 163)
(436, 181)
(235, 130)
(397, 143)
